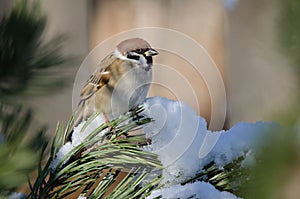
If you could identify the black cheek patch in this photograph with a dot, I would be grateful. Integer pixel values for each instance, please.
(135, 57)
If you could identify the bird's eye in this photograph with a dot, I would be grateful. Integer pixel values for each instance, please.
(139, 50)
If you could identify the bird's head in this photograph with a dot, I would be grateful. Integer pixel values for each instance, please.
(136, 49)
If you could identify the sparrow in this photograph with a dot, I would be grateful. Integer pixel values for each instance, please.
(121, 81)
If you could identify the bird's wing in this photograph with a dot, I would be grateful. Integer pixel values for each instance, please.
(98, 79)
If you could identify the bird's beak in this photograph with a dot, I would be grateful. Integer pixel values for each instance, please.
(150, 52)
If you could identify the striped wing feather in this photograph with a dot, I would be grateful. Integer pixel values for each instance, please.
(98, 79)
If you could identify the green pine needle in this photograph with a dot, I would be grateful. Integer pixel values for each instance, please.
(28, 64)
(17, 149)
(228, 178)
(85, 168)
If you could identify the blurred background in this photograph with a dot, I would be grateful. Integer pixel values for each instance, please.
(240, 36)
(251, 42)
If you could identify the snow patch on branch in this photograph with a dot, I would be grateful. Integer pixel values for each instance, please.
(185, 146)
(192, 190)
(79, 134)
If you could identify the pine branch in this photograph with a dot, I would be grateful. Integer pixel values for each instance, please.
(27, 63)
(17, 151)
(227, 178)
(93, 166)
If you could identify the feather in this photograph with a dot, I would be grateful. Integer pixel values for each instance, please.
(99, 78)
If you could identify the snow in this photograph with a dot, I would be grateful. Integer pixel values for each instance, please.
(238, 141)
(63, 151)
(177, 140)
(79, 134)
(184, 145)
(195, 190)
(17, 195)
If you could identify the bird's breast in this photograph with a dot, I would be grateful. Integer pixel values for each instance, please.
(130, 87)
